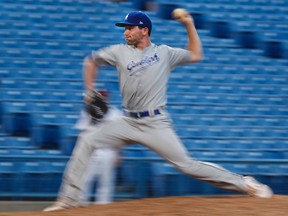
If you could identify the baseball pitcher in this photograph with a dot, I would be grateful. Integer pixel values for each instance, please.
(144, 68)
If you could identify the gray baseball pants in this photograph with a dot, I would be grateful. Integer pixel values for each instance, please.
(155, 133)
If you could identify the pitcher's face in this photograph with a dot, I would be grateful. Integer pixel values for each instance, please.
(133, 35)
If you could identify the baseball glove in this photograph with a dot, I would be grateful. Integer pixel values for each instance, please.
(96, 105)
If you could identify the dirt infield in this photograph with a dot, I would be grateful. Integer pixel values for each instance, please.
(179, 206)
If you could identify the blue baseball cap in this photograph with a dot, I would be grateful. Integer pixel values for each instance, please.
(136, 18)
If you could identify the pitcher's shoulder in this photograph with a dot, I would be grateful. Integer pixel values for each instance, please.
(163, 47)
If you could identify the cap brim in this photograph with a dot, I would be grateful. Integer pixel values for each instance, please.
(123, 24)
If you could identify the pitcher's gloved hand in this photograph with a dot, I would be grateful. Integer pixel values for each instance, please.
(96, 104)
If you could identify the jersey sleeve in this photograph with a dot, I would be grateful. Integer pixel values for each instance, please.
(105, 56)
(178, 56)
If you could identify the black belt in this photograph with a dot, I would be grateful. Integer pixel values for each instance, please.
(142, 114)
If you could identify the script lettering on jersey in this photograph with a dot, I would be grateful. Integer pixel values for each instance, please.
(135, 66)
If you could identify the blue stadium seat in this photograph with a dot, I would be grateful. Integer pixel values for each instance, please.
(278, 181)
(10, 7)
(8, 43)
(174, 109)
(54, 119)
(240, 168)
(132, 153)
(21, 84)
(17, 123)
(282, 169)
(46, 136)
(14, 95)
(43, 107)
(277, 133)
(4, 73)
(133, 171)
(54, 172)
(271, 122)
(190, 132)
(166, 180)
(68, 108)
(244, 144)
(279, 111)
(6, 151)
(32, 177)
(36, 95)
(8, 178)
(63, 96)
(50, 153)
(235, 132)
(152, 155)
(16, 142)
(214, 132)
(220, 144)
(272, 100)
(67, 143)
(206, 155)
(24, 153)
(267, 144)
(46, 118)
(70, 119)
(199, 144)
(254, 155)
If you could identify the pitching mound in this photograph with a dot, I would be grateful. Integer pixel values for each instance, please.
(182, 206)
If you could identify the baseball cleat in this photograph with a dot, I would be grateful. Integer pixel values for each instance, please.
(57, 206)
(256, 189)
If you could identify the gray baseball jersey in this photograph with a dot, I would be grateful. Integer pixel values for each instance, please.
(143, 75)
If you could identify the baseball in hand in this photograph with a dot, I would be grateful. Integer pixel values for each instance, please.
(179, 13)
